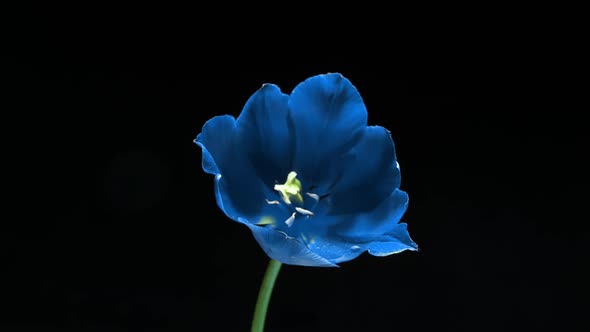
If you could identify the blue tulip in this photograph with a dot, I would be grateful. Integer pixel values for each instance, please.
(314, 183)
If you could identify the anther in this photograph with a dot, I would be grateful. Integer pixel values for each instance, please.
(291, 189)
(290, 220)
(314, 196)
(304, 211)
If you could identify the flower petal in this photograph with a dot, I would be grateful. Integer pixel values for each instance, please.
(397, 240)
(288, 250)
(327, 115)
(369, 225)
(238, 191)
(264, 134)
(335, 250)
(369, 173)
(342, 238)
(215, 145)
(338, 250)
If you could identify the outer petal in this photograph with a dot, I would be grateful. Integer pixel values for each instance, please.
(265, 136)
(215, 145)
(335, 250)
(369, 174)
(338, 250)
(397, 240)
(327, 115)
(377, 231)
(370, 225)
(239, 192)
(286, 249)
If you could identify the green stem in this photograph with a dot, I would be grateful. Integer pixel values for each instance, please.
(272, 271)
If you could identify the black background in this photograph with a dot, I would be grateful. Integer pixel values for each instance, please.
(118, 229)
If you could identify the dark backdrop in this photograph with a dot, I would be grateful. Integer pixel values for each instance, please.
(119, 231)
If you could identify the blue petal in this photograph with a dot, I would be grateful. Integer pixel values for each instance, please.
(327, 115)
(238, 191)
(369, 225)
(378, 231)
(335, 250)
(288, 250)
(370, 174)
(338, 250)
(216, 146)
(265, 135)
(397, 240)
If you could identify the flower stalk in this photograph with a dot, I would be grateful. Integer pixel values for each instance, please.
(272, 271)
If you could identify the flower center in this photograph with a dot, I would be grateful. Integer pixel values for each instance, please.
(290, 193)
(291, 189)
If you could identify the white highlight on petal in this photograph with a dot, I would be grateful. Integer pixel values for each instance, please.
(290, 220)
(304, 211)
(314, 196)
(396, 164)
(273, 202)
(355, 247)
(383, 254)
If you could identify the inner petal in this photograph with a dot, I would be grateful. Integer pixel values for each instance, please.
(264, 135)
(327, 115)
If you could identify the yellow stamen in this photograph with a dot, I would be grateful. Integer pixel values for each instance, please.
(291, 189)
